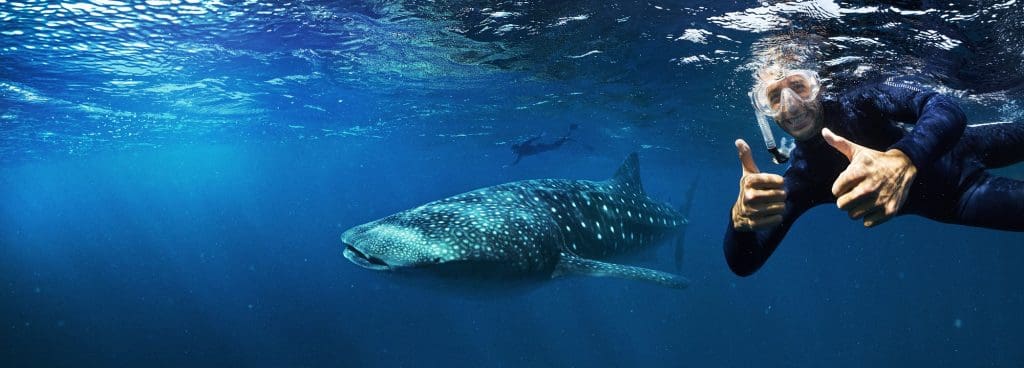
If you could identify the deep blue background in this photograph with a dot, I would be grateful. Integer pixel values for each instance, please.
(229, 255)
(172, 192)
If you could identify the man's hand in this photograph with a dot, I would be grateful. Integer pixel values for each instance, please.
(875, 185)
(761, 200)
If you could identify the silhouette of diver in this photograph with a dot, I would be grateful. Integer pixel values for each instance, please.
(528, 147)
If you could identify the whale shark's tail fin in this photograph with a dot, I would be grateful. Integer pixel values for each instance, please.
(628, 174)
(572, 265)
(685, 211)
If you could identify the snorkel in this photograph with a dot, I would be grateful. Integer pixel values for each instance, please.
(766, 132)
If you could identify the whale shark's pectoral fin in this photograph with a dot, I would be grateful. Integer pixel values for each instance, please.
(572, 265)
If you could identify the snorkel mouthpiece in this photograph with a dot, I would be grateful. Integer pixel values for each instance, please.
(777, 156)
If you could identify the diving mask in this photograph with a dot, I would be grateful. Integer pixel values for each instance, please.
(794, 88)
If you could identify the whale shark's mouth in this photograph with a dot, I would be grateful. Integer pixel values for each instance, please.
(358, 257)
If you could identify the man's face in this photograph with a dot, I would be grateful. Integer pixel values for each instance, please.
(803, 121)
(794, 100)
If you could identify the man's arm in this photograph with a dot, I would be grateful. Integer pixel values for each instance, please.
(745, 251)
(876, 184)
(938, 120)
(765, 209)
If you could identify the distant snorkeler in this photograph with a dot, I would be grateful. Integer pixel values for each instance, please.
(876, 150)
(530, 146)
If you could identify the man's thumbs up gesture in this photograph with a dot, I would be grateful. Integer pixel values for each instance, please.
(761, 200)
(875, 184)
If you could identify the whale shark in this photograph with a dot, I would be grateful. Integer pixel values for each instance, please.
(525, 230)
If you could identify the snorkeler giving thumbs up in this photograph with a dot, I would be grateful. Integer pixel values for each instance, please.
(761, 199)
(875, 184)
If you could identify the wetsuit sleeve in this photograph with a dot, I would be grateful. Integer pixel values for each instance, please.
(938, 121)
(747, 251)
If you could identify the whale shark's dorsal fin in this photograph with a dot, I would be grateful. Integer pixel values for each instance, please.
(628, 174)
(572, 265)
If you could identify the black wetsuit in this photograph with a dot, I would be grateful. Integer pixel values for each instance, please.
(951, 186)
(529, 148)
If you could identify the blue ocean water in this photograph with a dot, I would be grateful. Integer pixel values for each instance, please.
(175, 176)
